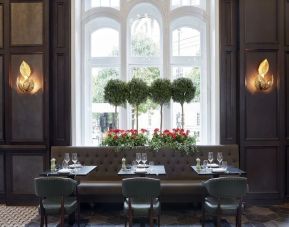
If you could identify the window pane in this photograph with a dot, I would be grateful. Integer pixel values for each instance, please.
(186, 42)
(105, 43)
(197, 3)
(192, 110)
(102, 113)
(145, 37)
(149, 113)
(101, 3)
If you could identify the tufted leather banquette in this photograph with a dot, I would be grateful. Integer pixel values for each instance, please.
(180, 184)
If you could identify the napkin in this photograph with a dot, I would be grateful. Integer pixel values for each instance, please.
(218, 170)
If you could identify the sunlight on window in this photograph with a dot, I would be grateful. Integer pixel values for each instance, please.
(149, 117)
(105, 43)
(102, 113)
(193, 109)
(145, 37)
(186, 42)
(196, 3)
(104, 3)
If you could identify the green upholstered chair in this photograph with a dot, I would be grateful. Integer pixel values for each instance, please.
(141, 199)
(57, 196)
(225, 198)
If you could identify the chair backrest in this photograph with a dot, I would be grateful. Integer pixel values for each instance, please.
(227, 187)
(54, 186)
(141, 188)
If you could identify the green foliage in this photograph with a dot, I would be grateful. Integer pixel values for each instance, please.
(183, 90)
(161, 91)
(177, 139)
(148, 74)
(99, 81)
(138, 92)
(195, 76)
(115, 92)
(143, 46)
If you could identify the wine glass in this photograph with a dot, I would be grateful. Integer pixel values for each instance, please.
(138, 158)
(210, 158)
(144, 158)
(66, 158)
(225, 165)
(220, 157)
(74, 159)
(205, 164)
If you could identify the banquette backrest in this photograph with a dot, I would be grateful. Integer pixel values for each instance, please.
(177, 164)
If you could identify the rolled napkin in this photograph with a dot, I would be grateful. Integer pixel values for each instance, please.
(218, 170)
(140, 170)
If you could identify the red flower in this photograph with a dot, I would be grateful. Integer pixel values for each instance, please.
(115, 137)
(143, 130)
(156, 130)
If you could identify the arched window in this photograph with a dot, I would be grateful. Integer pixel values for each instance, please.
(144, 57)
(102, 64)
(147, 39)
(88, 4)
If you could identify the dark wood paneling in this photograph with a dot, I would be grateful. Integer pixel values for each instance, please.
(286, 9)
(27, 23)
(228, 71)
(22, 166)
(61, 78)
(261, 108)
(260, 19)
(2, 174)
(262, 166)
(27, 109)
(1, 99)
(1, 26)
(287, 95)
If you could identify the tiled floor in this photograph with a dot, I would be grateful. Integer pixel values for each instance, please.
(254, 216)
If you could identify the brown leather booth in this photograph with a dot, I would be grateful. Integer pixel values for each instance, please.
(180, 184)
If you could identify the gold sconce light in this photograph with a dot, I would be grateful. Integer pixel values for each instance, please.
(24, 82)
(263, 82)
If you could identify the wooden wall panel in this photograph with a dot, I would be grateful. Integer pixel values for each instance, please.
(262, 166)
(61, 77)
(228, 74)
(1, 26)
(23, 181)
(260, 108)
(27, 23)
(1, 99)
(286, 9)
(2, 171)
(287, 96)
(260, 21)
(27, 109)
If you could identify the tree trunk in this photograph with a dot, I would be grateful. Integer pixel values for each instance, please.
(161, 127)
(183, 117)
(115, 117)
(137, 117)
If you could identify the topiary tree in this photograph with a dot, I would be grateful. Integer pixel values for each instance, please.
(161, 93)
(138, 92)
(183, 90)
(115, 92)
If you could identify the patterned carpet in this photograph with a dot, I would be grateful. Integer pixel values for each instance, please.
(254, 216)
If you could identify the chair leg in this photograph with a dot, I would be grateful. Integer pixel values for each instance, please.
(203, 216)
(62, 220)
(78, 216)
(41, 219)
(45, 218)
(125, 221)
(218, 220)
(159, 221)
(151, 218)
(239, 214)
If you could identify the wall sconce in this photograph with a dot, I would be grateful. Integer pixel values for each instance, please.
(262, 83)
(24, 83)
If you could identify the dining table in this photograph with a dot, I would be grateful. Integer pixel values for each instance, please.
(217, 171)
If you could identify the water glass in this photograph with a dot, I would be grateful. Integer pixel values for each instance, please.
(138, 158)
(151, 166)
(144, 158)
(210, 157)
(66, 158)
(133, 165)
(74, 158)
(224, 165)
(205, 165)
(220, 157)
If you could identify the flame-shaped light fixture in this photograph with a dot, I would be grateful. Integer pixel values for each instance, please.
(24, 82)
(262, 83)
